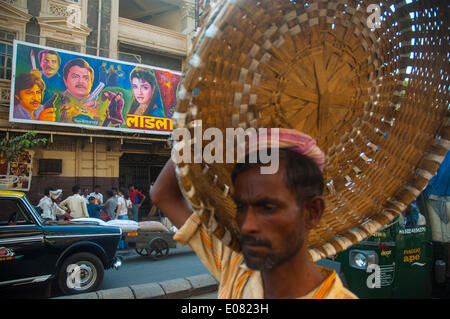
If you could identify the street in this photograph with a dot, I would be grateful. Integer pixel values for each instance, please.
(180, 263)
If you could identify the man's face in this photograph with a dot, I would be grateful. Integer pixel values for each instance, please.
(79, 82)
(49, 64)
(31, 98)
(270, 222)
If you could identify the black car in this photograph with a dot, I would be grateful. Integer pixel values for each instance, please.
(34, 250)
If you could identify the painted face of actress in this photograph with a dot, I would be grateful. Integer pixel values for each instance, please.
(142, 91)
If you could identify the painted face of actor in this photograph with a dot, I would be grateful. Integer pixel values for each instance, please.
(79, 82)
(49, 64)
(272, 230)
(142, 91)
(31, 98)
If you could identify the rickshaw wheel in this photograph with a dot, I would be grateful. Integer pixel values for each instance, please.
(142, 251)
(159, 248)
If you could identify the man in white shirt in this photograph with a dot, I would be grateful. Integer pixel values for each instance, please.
(50, 208)
(75, 204)
(97, 195)
(86, 195)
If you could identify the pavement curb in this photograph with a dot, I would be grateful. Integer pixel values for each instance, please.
(171, 289)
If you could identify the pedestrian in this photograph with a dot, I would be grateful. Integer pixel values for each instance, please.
(44, 200)
(122, 204)
(75, 204)
(93, 208)
(97, 195)
(49, 206)
(115, 192)
(122, 214)
(275, 213)
(129, 204)
(109, 209)
(86, 195)
(137, 198)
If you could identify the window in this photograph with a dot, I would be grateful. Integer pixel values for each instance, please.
(129, 57)
(63, 46)
(12, 213)
(132, 54)
(6, 53)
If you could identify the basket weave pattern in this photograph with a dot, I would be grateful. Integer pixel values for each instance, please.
(375, 99)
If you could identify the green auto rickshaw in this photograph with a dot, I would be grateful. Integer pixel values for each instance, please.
(409, 258)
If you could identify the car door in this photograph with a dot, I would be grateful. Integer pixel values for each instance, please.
(21, 243)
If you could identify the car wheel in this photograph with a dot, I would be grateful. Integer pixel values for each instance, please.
(80, 273)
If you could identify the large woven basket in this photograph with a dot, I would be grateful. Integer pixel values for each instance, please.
(374, 95)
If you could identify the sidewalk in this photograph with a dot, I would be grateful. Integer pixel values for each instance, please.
(195, 287)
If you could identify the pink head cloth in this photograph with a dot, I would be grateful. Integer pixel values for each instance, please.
(293, 140)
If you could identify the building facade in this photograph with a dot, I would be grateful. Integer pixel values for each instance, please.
(157, 33)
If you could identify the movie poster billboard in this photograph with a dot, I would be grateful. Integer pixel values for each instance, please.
(58, 87)
(16, 175)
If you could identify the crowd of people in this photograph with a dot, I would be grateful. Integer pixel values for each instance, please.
(119, 203)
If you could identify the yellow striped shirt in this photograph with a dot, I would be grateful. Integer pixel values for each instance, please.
(236, 281)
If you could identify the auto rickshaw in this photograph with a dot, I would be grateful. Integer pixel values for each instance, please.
(409, 258)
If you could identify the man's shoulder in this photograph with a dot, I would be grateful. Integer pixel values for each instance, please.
(21, 113)
(44, 199)
(65, 96)
(340, 292)
(332, 287)
(68, 198)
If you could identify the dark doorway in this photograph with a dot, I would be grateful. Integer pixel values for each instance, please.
(140, 170)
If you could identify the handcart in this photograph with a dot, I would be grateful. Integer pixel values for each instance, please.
(151, 244)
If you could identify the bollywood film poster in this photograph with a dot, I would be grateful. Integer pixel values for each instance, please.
(58, 87)
(16, 175)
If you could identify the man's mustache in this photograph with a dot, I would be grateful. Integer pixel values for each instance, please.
(253, 241)
(80, 86)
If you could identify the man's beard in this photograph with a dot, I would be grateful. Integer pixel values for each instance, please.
(271, 260)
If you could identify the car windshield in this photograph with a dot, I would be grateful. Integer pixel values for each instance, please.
(35, 213)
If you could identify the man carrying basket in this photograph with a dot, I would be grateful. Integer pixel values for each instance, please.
(275, 213)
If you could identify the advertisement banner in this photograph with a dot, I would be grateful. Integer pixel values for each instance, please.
(58, 87)
(16, 175)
